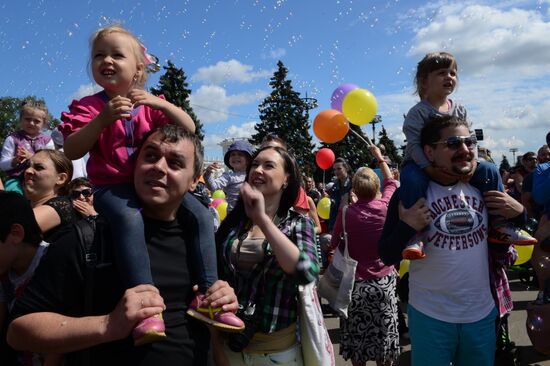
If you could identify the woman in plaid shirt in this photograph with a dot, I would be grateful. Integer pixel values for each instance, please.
(265, 250)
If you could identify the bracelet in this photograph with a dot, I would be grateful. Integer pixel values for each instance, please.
(381, 161)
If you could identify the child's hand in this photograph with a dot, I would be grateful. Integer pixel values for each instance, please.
(141, 97)
(23, 154)
(117, 108)
(214, 166)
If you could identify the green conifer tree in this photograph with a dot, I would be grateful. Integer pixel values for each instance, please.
(391, 149)
(505, 164)
(285, 114)
(173, 85)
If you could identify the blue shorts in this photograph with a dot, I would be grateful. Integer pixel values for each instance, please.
(438, 343)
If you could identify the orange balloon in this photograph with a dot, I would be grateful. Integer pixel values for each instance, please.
(330, 126)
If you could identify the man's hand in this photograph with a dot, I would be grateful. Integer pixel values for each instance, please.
(220, 294)
(417, 217)
(84, 208)
(502, 204)
(136, 304)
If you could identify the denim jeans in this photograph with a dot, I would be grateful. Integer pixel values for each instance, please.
(414, 181)
(122, 209)
(438, 343)
(289, 357)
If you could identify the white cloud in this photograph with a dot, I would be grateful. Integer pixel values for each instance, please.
(226, 71)
(212, 104)
(85, 90)
(211, 141)
(486, 39)
(277, 53)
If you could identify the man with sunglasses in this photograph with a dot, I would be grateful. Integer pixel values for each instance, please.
(80, 193)
(452, 310)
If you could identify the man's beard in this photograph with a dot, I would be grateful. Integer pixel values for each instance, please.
(463, 170)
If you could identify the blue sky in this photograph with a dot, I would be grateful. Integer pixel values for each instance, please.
(229, 50)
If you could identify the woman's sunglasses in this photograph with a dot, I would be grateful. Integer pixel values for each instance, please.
(454, 142)
(85, 192)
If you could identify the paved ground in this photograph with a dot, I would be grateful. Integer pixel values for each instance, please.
(522, 295)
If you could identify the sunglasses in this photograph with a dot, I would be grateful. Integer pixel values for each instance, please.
(454, 142)
(532, 158)
(85, 192)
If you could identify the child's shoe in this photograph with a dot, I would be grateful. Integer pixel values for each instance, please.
(414, 250)
(149, 330)
(509, 234)
(222, 320)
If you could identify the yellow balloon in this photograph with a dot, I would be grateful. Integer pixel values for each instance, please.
(404, 267)
(218, 194)
(524, 253)
(323, 208)
(359, 106)
(222, 210)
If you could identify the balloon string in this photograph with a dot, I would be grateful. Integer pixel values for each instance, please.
(367, 141)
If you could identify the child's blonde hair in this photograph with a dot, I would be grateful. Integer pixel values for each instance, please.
(30, 104)
(137, 47)
(431, 62)
(365, 183)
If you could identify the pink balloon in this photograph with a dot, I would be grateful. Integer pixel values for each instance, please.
(339, 94)
(216, 202)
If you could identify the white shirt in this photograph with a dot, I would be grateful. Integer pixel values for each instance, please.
(452, 283)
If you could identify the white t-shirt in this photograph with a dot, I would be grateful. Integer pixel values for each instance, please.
(19, 282)
(452, 283)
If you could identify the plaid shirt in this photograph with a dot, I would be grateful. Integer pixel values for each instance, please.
(273, 291)
(500, 257)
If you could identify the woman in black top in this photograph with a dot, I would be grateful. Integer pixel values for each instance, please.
(45, 185)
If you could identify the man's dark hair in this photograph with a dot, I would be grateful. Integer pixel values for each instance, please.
(17, 210)
(431, 132)
(78, 182)
(548, 139)
(273, 137)
(174, 133)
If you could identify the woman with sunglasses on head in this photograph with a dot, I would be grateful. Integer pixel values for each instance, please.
(436, 79)
(45, 183)
(80, 192)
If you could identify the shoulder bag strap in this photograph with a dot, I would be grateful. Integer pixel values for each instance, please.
(346, 252)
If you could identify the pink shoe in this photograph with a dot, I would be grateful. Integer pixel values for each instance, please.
(222, 320)
(149, 330)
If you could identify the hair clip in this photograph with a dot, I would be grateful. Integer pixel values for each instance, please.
(151, 61)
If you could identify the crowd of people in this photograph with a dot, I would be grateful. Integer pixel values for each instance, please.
(124, 262)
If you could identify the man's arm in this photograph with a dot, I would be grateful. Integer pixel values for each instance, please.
(541, 184)
(395, 234)
(49, 332)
